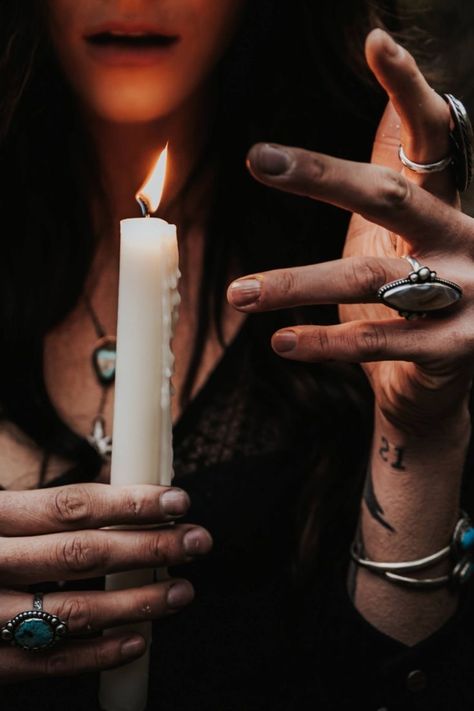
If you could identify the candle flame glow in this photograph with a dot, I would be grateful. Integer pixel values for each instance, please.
(150, 194)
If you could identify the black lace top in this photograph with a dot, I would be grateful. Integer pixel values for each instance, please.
(251, 640)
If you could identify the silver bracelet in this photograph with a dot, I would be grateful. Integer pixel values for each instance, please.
(460, 551)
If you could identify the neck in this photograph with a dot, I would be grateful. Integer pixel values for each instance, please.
(127, 152)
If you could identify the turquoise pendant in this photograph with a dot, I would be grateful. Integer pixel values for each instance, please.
(103, 360)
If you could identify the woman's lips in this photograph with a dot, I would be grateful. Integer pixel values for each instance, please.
(129, 46)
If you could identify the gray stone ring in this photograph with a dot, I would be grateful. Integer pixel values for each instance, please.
(34, 629)
(421, 291)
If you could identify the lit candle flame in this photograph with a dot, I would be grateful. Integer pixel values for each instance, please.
(150, 194)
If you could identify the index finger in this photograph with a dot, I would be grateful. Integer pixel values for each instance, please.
(85, 506)
(381, 195)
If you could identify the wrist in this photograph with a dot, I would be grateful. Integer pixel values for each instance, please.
(447, 433)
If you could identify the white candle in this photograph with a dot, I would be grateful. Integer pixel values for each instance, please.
(142, 451)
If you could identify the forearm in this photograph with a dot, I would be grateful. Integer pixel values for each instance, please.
(409, 510)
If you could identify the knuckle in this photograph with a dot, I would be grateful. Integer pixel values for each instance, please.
(76, 612)
(370, 342)
(72, 504)
(315, 168)
(366, 274)
(77, 554)
(320, 343)
(394, 190)
(104, 655)
(157, 548)
(135, 502)
(286, 283)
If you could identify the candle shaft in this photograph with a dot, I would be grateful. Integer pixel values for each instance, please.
(142, 432)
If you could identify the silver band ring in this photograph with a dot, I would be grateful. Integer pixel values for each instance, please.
(461, 139)
(435, 167)
(420, 292)
(34, 629)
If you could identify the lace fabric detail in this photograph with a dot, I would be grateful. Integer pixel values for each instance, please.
(230, 421)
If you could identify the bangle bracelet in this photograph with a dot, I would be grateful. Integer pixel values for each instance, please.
(460, 551)
(420, 564)
(421, 583)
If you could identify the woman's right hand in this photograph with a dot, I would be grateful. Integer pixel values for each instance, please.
(58, 534)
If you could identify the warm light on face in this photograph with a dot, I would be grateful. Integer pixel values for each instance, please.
(139, 82)
(151, 191)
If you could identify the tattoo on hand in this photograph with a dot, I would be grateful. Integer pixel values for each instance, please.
(385, 453)
(372, 503)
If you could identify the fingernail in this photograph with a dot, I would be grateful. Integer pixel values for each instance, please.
(174, 502)
(133, 646)
(284, 341)
(197, 541)
(391, 47)
(245, 291)
(180, 594)
(271, 160)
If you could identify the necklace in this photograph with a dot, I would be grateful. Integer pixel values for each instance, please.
(103, 365)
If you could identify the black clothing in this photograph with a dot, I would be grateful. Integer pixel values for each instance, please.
(250, 641)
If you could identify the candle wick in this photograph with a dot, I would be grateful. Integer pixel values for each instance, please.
(144, 205)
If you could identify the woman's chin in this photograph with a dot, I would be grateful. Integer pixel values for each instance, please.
(127, 105)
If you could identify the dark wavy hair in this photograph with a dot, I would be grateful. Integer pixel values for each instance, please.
(295, 75)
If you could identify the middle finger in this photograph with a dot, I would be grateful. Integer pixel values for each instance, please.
(350, 280)
(91, 554)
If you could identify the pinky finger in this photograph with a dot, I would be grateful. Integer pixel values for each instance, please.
(366, 341)
(72, 658)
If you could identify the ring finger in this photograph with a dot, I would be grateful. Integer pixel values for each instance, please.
(94, 611)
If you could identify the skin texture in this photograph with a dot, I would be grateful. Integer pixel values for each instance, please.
(421, 370)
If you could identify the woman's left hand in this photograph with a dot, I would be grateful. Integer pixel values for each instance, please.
(420, 370)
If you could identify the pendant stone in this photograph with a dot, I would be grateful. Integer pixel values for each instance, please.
(104, 359)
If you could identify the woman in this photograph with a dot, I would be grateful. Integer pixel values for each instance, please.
(270, 451)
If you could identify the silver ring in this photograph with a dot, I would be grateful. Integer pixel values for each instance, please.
(420, 292)
(435, 167)
(461, 140)
(34, 629)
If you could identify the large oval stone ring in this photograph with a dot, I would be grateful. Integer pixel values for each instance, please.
(34, 629)
(421, 291)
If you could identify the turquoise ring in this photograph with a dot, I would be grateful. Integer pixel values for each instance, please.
(34, 629)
